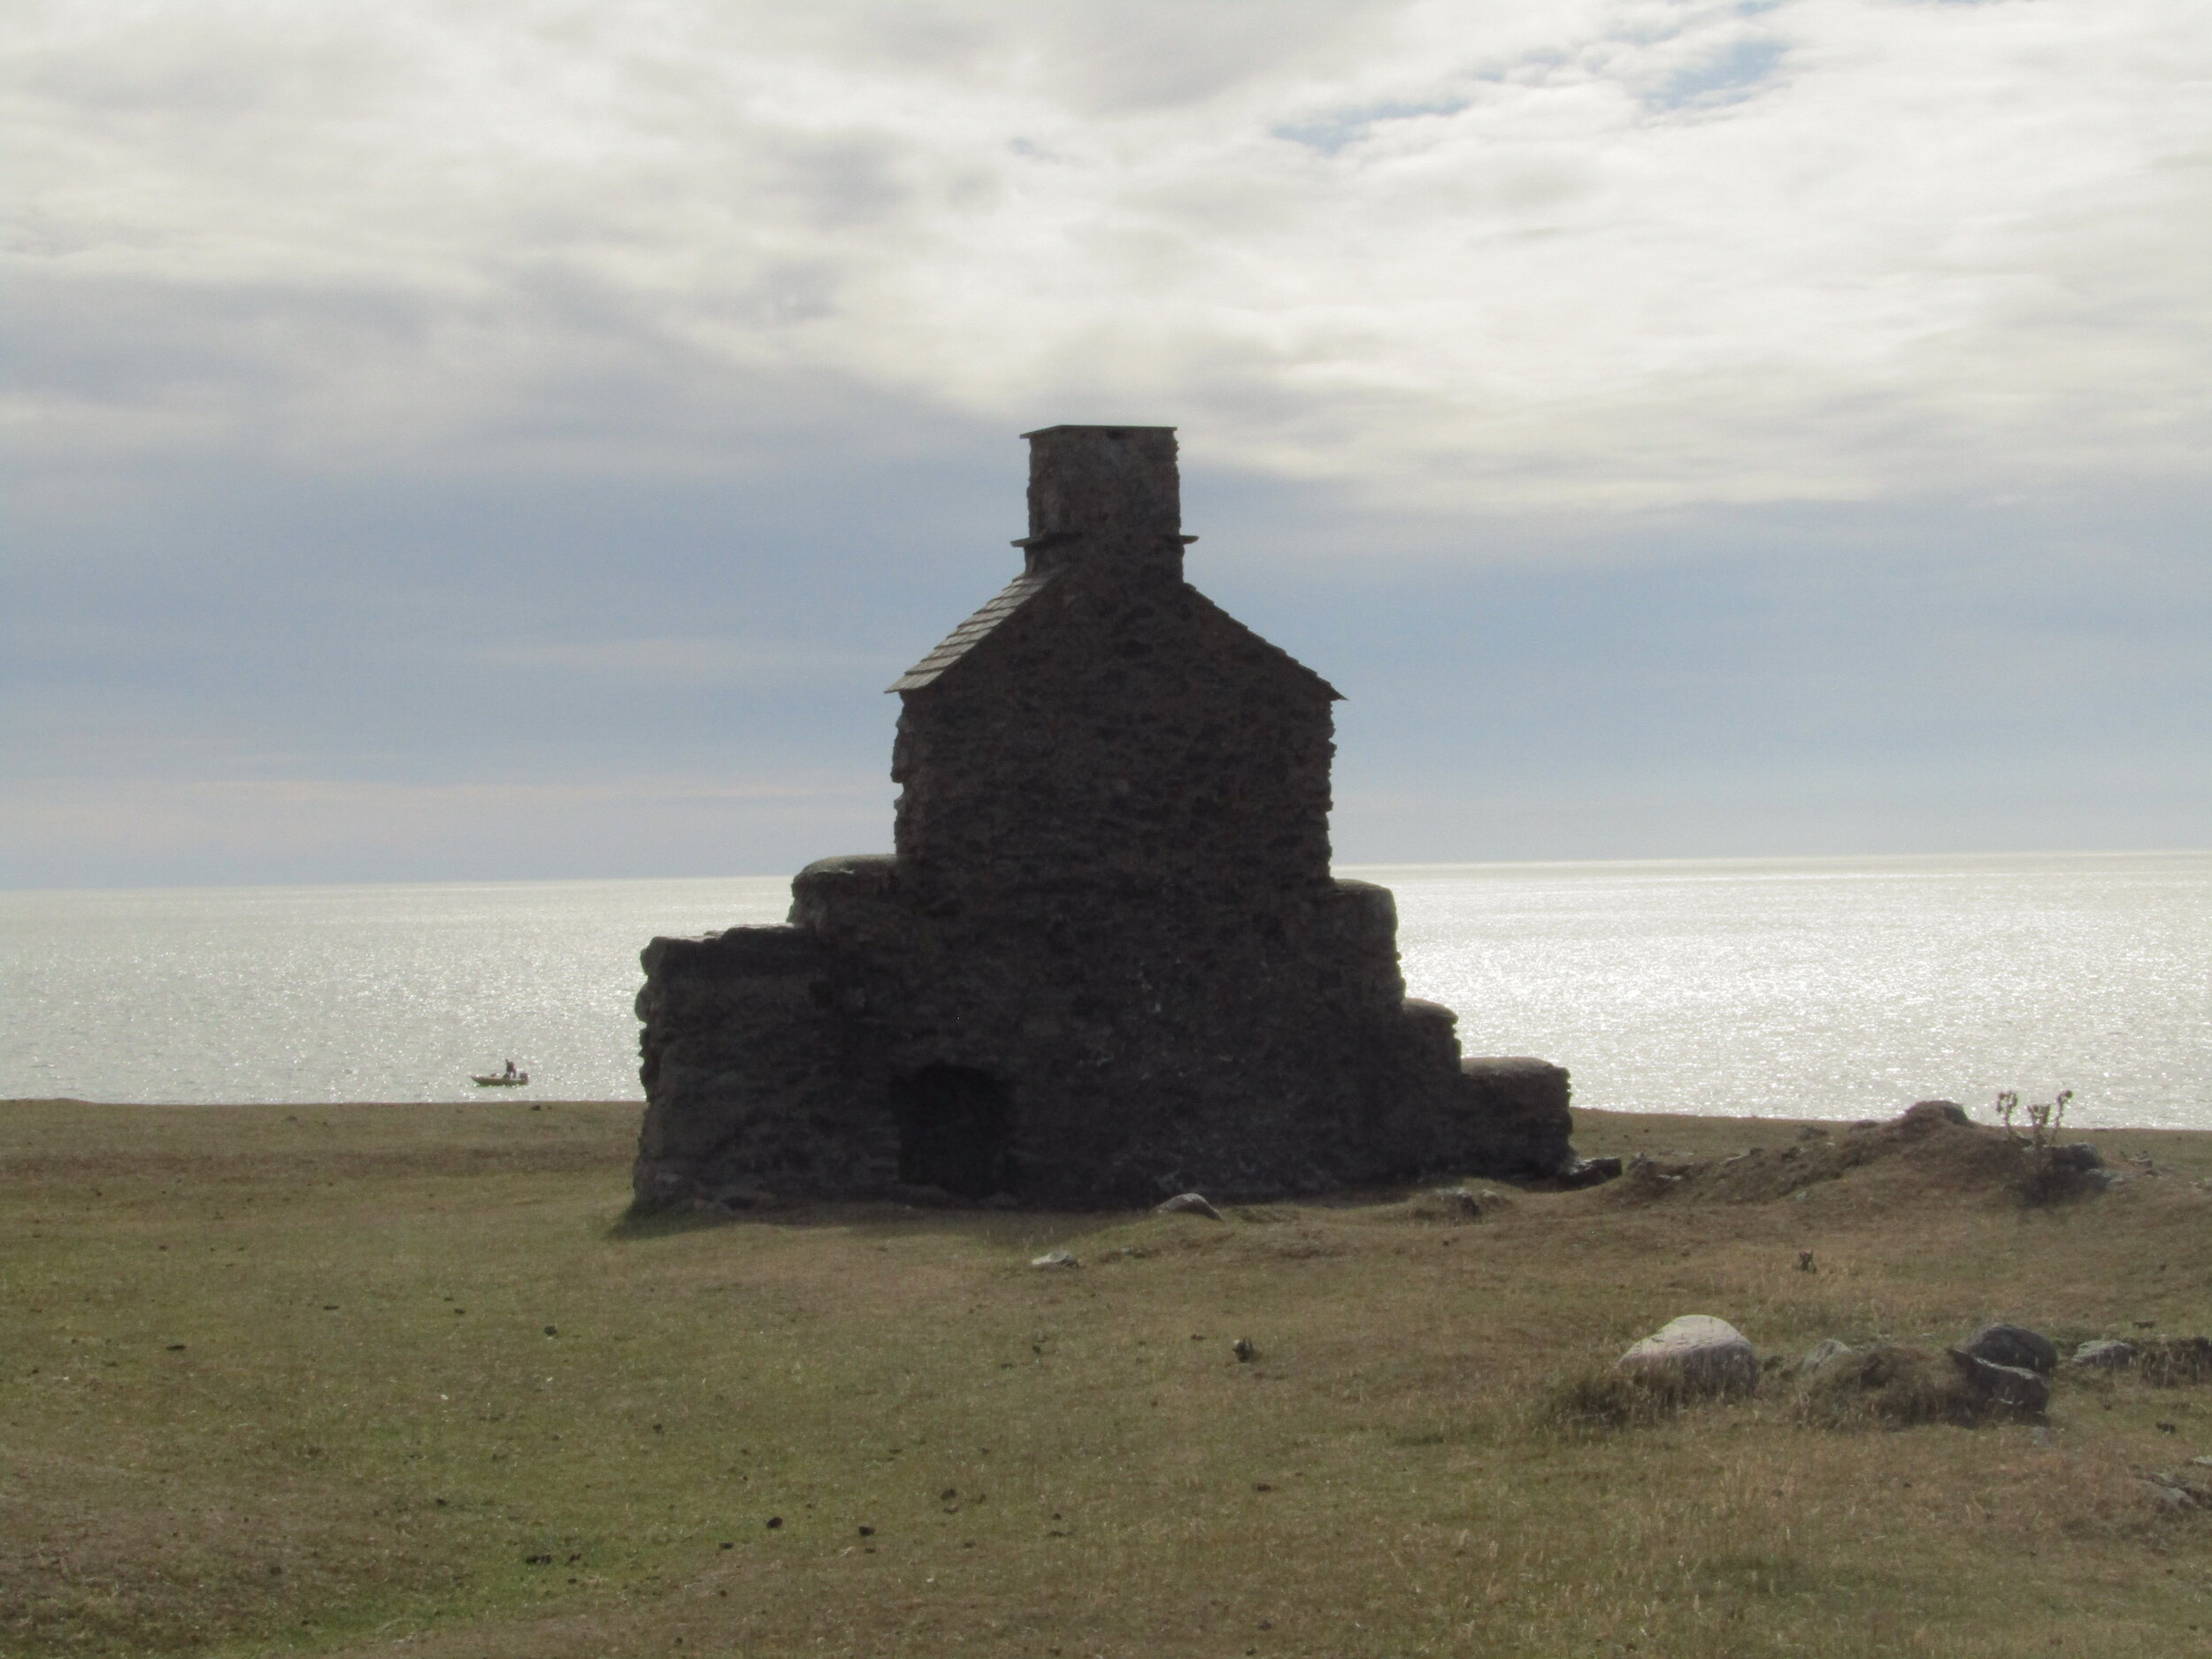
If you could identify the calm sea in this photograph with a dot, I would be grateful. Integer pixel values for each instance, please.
(1815, 988)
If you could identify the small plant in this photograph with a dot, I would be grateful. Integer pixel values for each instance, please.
(2045, 1119)
(2054, 1171)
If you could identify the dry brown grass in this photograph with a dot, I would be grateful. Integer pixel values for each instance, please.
(1601, 1398)
(2173, 1362)
(338, 1460)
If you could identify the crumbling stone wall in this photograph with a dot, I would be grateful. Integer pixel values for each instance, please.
(1107, 959)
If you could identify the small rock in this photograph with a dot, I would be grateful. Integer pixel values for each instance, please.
(1822, 1355)
(1243, 1349)
(1703, 1354)
(2180, 1493)
(1577, 1172)
(2105, 1354)
(2013, 1346)
(1187, 1205)
(2015, 1386)
(775, 1523)
(1053, 1258)
(2077, 1155)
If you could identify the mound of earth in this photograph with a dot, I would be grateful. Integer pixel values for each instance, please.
(1932, 1146)
(1900, 1384)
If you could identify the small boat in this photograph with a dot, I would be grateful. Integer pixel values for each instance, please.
(508, 1079)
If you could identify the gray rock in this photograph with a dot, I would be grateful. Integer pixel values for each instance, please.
(1822, 1355)
(1187, 1205)
(2013, 1346)
(1577, 1172)
(1055, 1259)
(2179, 1493)
(2013, 1386)
(2105, 1354)
(1698, 1352)
(2077, 1156)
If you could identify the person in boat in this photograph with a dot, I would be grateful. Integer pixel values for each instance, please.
(511, 1068)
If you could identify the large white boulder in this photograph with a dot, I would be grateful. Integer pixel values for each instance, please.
(1698, 1353)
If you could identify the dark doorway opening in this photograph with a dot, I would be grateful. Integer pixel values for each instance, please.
(956, 1130)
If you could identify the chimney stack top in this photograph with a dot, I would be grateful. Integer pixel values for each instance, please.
(1106, 498)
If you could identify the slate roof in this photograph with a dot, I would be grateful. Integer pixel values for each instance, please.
(971, 632)
(1026, 587)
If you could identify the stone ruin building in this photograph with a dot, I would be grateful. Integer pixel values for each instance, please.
(1108, 961)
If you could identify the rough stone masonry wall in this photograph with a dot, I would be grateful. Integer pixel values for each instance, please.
(1158, 1052)
(1130, 740)
(1109, 942)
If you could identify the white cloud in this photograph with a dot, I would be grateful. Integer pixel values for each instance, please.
(1446, 252)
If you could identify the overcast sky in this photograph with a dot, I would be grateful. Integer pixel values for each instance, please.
(457, 439)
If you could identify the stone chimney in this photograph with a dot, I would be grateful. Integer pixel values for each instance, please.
(1105, 499)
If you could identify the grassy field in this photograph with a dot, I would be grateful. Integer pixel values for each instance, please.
(372, 1379)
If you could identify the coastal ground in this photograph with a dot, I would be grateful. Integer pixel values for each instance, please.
(367, 1380)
